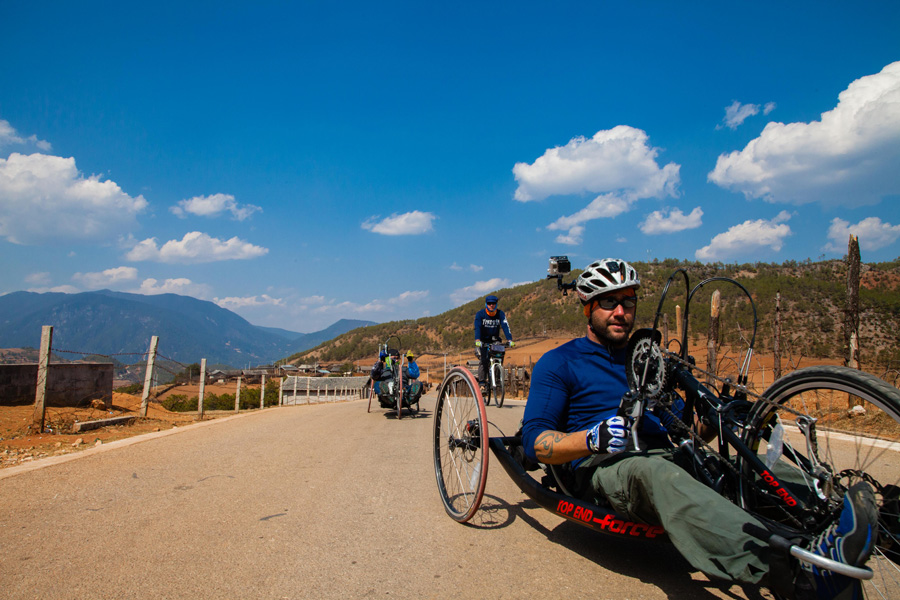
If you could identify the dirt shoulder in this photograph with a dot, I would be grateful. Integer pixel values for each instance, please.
(18, 445)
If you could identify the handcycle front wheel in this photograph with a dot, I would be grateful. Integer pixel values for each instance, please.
(857, 434)
(498, 384)
(460, 444)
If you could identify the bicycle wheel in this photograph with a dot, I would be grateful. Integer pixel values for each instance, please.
(857, 436)
(460, 444)
(398, 394)
(499, 388)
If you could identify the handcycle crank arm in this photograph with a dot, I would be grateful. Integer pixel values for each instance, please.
(782, 545)
(831, 565)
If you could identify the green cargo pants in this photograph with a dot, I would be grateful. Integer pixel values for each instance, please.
(705, 527)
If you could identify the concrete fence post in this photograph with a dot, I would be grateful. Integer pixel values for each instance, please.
(281, 392)
(294, 397)
(237, 396)
(262, 392)
(148, 376)
(40, 394)
(307, 391)
(202, 388)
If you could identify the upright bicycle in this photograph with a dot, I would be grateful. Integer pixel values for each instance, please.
(494, 385)
(787, 455)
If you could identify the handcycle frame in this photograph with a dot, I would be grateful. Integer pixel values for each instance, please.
(729, 410)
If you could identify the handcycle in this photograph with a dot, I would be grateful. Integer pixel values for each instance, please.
(494, 384)
(786, 455)
(390, 389)
(395, 392)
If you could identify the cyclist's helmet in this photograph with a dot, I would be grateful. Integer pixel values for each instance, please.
(603, 276)
(410, 355)
(492, 299)
(382, 355)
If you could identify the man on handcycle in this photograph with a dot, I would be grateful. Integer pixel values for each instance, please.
(488, 322)
(573, 418)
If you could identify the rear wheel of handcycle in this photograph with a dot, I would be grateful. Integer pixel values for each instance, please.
(499, 387)
(857, 431)
(460, 444)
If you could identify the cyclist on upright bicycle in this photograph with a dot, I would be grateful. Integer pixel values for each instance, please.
(488, 323)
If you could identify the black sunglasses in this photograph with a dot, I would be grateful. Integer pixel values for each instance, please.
(612, 303)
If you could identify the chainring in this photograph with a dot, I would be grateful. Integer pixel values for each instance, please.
(645, 364)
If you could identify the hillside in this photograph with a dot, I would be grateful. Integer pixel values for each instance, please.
(812, 308)
(116, 323)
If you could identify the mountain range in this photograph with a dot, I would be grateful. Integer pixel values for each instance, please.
(109, 323)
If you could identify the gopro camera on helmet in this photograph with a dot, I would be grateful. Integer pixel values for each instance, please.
(559, 265)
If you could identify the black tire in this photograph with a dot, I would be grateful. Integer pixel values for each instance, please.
(460, 444)
(398, 392)
(855, 447)
(499, 385)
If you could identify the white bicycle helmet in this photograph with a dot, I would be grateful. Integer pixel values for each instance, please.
(605, 275)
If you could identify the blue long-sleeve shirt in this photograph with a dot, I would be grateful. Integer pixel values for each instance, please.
(574, 387)
(487, 328)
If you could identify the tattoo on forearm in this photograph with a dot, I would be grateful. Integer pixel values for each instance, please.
(543, 445)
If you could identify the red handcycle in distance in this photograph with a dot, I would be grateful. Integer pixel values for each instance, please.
(786, 455)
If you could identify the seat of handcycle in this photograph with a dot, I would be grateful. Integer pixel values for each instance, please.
(549, 494)
(558, 477)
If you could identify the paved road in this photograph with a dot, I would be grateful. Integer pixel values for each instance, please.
(322, 501)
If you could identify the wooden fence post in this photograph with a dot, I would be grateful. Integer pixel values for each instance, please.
(202, 388)
(40, 394)
(148, 376)
(776, 344)
(237, 396)
(712, 336)
(678, 327)
(851, 327)
(281, 392)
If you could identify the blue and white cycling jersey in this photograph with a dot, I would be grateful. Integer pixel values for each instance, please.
(487, 328)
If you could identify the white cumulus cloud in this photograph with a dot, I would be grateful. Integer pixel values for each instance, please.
(671, 221)
(479, 288)
(617, 164)
(9, 136)
(737, 113)
(195, 247)
(103, 279)
(411, 223)
(747, 237)
(231, 302)
(848, 158)
(872, 234)
(213, 206)
(45, 199)
(180, 285)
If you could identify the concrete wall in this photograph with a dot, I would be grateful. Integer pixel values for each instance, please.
(68, 384)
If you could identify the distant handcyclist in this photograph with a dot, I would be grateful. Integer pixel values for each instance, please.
(488, 322)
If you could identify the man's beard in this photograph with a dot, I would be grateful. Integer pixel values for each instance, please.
(612, 339)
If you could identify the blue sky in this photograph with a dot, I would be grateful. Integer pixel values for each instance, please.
(302, 162)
